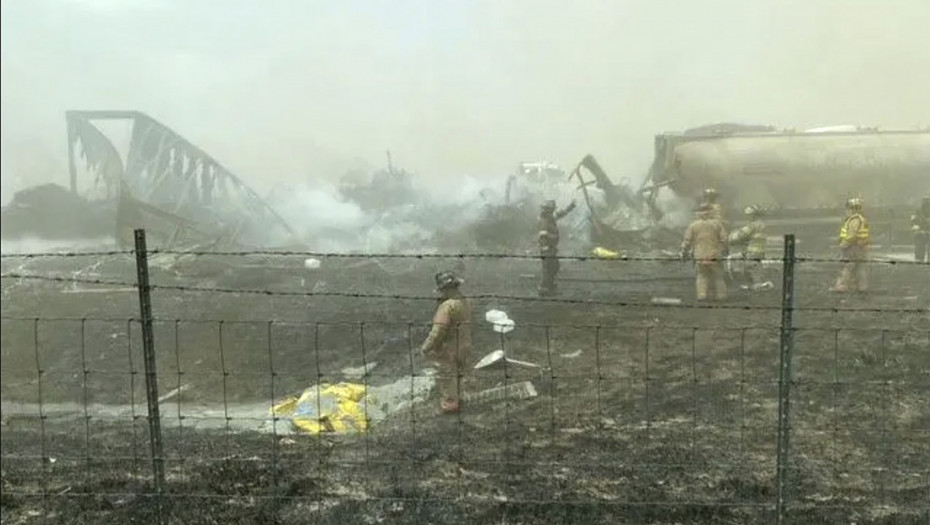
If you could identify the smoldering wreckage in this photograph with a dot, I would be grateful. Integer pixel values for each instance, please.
(187, 201)
(191, 205)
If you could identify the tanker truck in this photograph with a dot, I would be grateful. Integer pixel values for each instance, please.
(803, 178)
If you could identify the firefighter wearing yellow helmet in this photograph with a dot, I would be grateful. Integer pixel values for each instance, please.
(854, 247)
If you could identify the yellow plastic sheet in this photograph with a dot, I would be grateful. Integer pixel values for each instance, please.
(604, 253)
(338, 408)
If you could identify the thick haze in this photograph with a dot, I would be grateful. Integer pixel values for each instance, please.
(288, 91)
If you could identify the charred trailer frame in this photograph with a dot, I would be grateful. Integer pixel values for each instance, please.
(168, 185)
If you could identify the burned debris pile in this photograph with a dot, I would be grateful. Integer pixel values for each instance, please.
(51, 211)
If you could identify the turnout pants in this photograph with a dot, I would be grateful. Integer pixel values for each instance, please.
(550, 270)
(452, 372)
(853, 276)
(710, 282)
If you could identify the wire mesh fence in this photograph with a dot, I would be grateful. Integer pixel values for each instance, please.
(591, 416)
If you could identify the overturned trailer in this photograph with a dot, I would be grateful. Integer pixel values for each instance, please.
(803, 178)
(169, 186)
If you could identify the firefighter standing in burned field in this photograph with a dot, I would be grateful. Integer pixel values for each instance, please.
(854, 249)
(449, 342)
(706, 242)
(548, 238)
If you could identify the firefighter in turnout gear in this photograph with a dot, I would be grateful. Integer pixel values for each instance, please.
(548, 238)
(750, 241)
(920, 225)
(854, 247)
(706, 242)
(449, 342)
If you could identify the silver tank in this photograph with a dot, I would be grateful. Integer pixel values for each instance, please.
(797, 170)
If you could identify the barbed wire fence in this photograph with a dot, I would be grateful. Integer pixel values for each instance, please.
(688, 423)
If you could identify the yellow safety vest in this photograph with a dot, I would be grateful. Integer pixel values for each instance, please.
(862, 236)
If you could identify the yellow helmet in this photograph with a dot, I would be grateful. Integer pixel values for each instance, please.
(854, 203)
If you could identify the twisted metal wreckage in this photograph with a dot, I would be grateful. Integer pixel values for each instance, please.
(181, 195)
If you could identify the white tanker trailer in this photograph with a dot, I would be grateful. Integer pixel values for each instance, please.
(802, 177)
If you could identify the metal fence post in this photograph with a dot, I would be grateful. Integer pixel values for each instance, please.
(784, 377)
(148, 350)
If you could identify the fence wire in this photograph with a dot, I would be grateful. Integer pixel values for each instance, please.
(604, 420)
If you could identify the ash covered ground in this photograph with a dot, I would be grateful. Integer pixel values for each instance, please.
(644, 414)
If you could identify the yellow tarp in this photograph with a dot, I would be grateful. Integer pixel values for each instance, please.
(604, 253)
(338, 408)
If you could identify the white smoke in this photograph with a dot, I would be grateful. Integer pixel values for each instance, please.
(325, 220)
(37, 245)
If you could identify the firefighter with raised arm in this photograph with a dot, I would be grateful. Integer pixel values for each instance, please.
(854, 248)
(920, 225)
(706, 242)
(449, 342)
(548, 238)
(750, 242)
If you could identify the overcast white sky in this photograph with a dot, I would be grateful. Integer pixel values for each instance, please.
(291, 90)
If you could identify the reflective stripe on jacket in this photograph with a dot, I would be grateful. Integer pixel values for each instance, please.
(855, 230)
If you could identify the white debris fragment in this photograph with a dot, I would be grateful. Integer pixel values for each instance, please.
(358, 372)
(521, 390)
(666, 300)
(494, 316)
(173, 393)
(497, 358)
(500, 322)
(312, 264)
(505, 326)
(489, 359)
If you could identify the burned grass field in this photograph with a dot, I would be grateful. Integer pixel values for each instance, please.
(642, 413)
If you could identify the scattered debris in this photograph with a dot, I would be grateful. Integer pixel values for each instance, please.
(50, 211)
(497, 359)
(312, 264)
(572, 355)
(358, 372)
(327, 408)
(521, 390)
(345, 407)
(379, 190)
(618, 215)
(500, 322)
(666, 300)
(758, 287)
(604, 253)
(174, 393)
